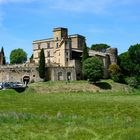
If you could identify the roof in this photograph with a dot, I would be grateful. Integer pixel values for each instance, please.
(42, 40)
(59, 28)
(76, 35)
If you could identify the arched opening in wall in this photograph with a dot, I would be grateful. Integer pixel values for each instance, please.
(68, 76)
(78, 76)
(60, 76)
(26, 80)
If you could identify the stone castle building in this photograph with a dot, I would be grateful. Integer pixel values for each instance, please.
(63, 55)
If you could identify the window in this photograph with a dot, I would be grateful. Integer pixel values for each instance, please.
(57, 38)
(39, 46)
(48, 54)
(48, 45)
(69, 76)
(56, 45)
(48, 60)
(60, 77)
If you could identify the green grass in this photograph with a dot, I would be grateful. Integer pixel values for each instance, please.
(70, 114)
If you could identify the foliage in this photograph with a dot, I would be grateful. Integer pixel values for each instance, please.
(132, 81)
(134, 54)
(93, 69)
(126, 64)
(114, 69)
(85, 54)
(100, 47)
(130, 62)
(18, 56)
(42, 64)
(115, 72)
(4, 59)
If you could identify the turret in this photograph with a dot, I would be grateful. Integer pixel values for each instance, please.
(113, 53)
(60, 33)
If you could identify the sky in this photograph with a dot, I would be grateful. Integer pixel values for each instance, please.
(113, 22)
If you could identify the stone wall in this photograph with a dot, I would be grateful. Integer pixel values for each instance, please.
(16, 73)
(61, 73)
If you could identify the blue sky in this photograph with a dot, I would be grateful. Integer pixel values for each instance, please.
(114, 22)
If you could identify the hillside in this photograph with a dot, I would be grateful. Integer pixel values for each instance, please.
(78, 86)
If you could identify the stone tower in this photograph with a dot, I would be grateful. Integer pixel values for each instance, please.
(60, 33)
(113, 53)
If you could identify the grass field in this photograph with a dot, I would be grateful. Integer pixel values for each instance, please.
(70, 111)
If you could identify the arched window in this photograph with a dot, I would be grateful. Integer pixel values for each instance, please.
(68, 76)
(60, 76)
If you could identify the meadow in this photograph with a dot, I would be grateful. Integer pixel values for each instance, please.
(70, 111)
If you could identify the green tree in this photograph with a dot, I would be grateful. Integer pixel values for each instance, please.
(18, 56)
(42, 64)
(130, 61)
(99, 47)
(85, 54)
(134, 53)
(126, 64)
(4, 60)
(93, 69)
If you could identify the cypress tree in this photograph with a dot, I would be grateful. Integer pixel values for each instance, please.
(4, 60)
(42, 64)
(85, 54)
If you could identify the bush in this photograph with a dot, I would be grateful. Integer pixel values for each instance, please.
(115, 72)
(132, 81)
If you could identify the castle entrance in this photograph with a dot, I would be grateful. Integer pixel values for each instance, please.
(26, 80)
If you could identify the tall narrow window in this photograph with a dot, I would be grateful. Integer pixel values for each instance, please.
(60, 76)
(48, 45)
(56, 45)
(48, 53)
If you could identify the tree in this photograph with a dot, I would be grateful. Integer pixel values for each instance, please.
(4, 60)
(18, 56)
(126, 64)
(31, 58)
(42, 64)
(115, 72)
(85, 54)
(93, 69)
(99, 47)
(130, 61)
(134, 53)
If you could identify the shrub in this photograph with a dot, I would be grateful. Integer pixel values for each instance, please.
(115, 72)
(132, 81)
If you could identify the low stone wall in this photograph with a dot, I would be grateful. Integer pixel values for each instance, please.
(16, 73)
(61, 73)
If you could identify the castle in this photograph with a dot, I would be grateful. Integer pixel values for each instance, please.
(63, 55)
